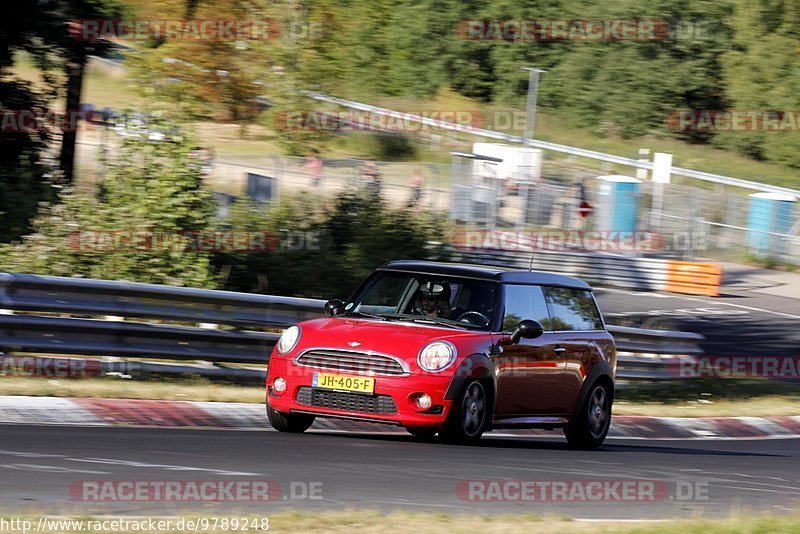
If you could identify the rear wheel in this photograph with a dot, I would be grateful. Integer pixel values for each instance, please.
(590, 427)
(294, 423)
(469, 415)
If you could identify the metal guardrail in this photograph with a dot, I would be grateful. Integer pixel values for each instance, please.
(615, 270)
(652, 354)
(28, 333)
(56, 367)
(25, 292)
(641, 341)
(608, 269)
(63, 335)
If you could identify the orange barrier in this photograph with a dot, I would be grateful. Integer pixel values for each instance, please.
(693, 278)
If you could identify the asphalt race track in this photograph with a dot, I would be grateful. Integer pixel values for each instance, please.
(738, 323)
(38, 465)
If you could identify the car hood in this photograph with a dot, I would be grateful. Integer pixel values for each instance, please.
(399, 338)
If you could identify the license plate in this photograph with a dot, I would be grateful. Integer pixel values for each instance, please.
(358, 384)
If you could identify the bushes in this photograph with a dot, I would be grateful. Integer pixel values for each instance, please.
(151, 187)
(325, 249)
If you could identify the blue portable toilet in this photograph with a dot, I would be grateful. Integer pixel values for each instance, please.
(769, 212)
(617, 203)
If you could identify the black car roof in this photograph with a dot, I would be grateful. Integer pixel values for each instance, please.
(485, 272)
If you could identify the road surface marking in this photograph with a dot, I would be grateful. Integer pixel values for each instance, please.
(167, 467)
(52, 469)
(693, 299)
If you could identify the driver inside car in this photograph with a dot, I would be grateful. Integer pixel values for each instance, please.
(433, 300)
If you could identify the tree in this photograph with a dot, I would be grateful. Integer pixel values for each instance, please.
(153, 187)
(623, 87)
(59, 29)
(208, 77)
(41, 30)
(763, 74)
(22, 181)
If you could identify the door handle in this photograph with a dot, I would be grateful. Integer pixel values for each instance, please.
(559, 350)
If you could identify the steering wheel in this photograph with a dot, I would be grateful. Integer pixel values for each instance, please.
(474, 318)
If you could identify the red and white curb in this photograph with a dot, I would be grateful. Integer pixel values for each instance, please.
(247, 416)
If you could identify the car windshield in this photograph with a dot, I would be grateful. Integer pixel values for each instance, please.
(442, 300)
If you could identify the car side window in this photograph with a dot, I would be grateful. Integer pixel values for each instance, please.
(524, 302)
(572, 309)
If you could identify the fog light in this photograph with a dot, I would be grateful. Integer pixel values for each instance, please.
(279, 385)
(424, 401)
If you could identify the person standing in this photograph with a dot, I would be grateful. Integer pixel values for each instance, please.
(417, 183)
(314, 168)
(372, 178)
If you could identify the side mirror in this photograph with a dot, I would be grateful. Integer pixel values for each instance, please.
(334, 307)
(528, 329)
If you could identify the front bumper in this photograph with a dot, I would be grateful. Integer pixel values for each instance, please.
(403, 391)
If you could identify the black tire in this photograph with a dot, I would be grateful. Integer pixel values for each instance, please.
(590, 426)
(424, 433)
(469, 415)
(289, 423)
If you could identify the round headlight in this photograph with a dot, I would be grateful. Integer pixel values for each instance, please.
(437, 356)
(288, 340)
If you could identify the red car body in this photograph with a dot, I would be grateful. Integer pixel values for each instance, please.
(369, 366)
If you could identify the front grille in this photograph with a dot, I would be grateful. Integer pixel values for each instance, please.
(351, 402)
(351, 362)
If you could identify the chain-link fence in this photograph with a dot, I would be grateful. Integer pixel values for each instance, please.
(696, 219)
(422, 185)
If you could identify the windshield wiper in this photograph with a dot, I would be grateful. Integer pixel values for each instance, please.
(362, 314)
(431, 320)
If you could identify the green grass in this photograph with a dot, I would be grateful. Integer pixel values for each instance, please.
(298, 522)
(550, 127)
(101, 87)
(703, 407)
(119, 388)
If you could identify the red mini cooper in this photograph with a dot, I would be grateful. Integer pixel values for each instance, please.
(451, 349)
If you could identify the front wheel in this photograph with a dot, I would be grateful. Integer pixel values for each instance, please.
(288, 422)
(469, 415)
(590, 427)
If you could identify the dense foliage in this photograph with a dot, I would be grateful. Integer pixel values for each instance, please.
(324, 249)
(707, 55)
(153, 188)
